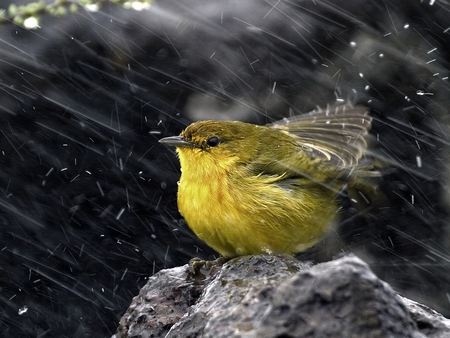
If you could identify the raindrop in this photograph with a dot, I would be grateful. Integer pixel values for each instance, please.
(31, 23)
(120, 213)
(92, 7)
(419, 161)
(22, 310)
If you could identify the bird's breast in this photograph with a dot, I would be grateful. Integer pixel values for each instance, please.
(238, 214)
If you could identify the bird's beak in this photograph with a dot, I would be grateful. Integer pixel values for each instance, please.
(176, 141)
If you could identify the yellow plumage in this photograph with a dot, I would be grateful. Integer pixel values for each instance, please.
(248, 189)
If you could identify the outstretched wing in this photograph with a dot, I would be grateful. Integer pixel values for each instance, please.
(334, 135)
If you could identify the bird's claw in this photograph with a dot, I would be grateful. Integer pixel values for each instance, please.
(197, 264)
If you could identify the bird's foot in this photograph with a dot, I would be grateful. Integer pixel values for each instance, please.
(196, 264)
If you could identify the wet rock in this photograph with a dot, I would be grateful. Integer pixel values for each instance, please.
(277, 296)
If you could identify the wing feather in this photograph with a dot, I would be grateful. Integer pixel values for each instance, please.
(335, 136)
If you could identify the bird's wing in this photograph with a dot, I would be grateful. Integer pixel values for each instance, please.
(335, 135)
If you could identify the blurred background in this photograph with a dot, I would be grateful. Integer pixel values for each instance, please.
(88, 196)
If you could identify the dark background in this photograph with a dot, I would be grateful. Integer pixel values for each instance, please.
(88, 196)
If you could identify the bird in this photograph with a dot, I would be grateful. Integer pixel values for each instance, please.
(251, 189)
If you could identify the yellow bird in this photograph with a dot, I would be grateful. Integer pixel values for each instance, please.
(250, 189)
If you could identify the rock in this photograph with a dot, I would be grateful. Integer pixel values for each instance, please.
(431, 323)
(277, 296)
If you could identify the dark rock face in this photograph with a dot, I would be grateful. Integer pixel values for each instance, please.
(277, 296)
(161, 304)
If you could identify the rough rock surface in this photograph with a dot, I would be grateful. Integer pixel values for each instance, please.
(277, 296)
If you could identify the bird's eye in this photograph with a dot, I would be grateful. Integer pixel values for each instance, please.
(213, 141)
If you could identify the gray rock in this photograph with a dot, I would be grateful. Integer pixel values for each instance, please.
(277, 296)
